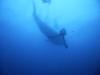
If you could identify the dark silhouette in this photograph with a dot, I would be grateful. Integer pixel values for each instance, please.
(52, 35)
(46, 1)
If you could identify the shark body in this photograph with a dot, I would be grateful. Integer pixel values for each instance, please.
(52, 35)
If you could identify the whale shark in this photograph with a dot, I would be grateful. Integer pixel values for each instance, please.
(57, 38)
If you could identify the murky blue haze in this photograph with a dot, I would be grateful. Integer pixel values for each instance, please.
(25, 50)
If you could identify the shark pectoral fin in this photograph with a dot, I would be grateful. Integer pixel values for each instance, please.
(51, 38)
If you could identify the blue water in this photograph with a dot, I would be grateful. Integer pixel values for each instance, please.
(24, 50)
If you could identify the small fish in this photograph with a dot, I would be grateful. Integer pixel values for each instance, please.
(52, 35)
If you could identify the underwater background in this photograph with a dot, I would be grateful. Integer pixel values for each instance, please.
(24, 50)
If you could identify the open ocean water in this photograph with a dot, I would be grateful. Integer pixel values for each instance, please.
(25, 50)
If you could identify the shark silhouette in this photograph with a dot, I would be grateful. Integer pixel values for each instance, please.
(52, 35)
